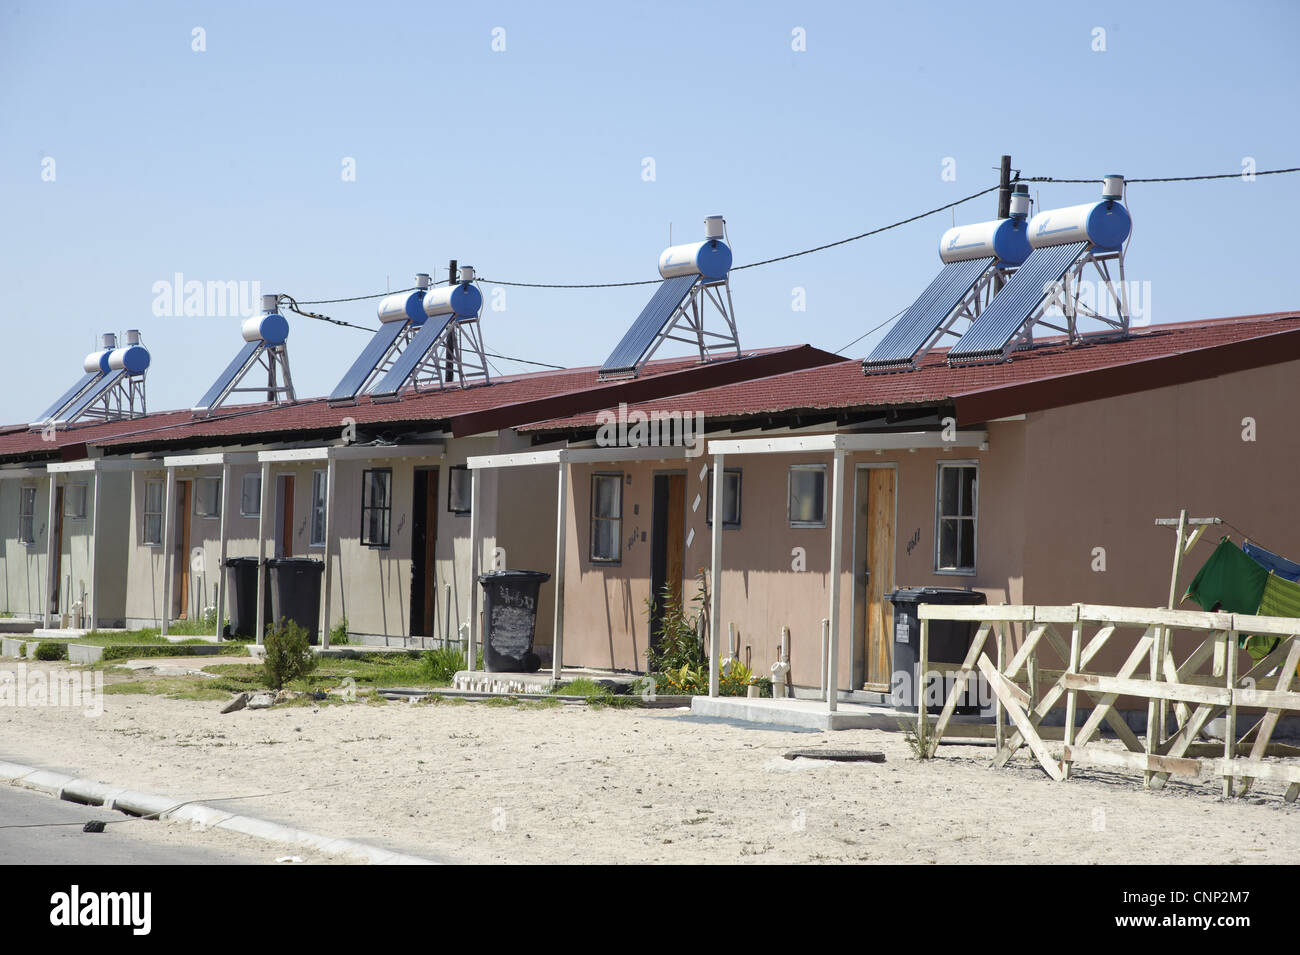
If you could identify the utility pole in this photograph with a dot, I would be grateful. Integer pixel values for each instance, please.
(1004, 189)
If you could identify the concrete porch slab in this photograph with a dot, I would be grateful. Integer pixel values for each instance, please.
(542, 681)
(804, 714)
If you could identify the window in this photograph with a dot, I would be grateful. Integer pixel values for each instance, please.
(955, 519)
(606, 516)
(27, 515)
(152, 531)
(376, 506)
(74, 501)
(730, 498)
(317, 509)
(250, 495)
(207, 497)
(807, 505)
(458, 489)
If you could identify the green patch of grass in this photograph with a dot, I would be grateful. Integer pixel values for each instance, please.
(593, 691)
(119, 651)
(174, 688)
(441, 665)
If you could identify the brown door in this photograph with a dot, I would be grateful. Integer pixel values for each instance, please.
(668, 544)
(56, 558)
(183, 510)
(286, 517)
(424, 539)
(675, 551)
(874, 577)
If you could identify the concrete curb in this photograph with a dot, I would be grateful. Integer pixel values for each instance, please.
(90, 793)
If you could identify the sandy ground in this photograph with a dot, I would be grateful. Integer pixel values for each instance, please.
(480, 783)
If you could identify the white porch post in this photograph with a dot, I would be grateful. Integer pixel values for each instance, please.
(715, 598)
(263, 506)
(90, 610)
(169, 545)
(51, 570)
(837, 541)
(561, 526)
(471, 649)
(329, 538)
(224, 505)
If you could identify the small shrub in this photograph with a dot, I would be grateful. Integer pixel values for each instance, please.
(288, 654)
(440, 666)
(339, 633)
(51, 650)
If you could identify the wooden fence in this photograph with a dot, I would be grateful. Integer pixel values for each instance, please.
(1055, 663)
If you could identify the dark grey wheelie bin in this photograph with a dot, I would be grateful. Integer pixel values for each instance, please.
(949, 643)
(295, 593)
(510, 620)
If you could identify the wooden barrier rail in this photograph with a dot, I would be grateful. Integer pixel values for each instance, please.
(1025, 692)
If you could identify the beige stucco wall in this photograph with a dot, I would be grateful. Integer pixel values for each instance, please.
(24, 571)
(606, 623)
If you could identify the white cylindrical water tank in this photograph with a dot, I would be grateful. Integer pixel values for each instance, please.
(272, 329)
(133, 359)
(109, 340)
(403, 307)
(1020, 202)
(715, 227)
(1112, 187)
(1005, 239)
(464, 300)
(1105, 224)
(710, 258)
(467, 273)
(422, 280)
(270, 302)
(96, 361)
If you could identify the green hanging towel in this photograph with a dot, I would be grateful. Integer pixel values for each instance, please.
(1281, 598)
(1230, 581)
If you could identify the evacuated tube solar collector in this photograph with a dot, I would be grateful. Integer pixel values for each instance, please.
(111, 387)
(696, 287)
(265, 347)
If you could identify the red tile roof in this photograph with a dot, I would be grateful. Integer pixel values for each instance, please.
(1049, 375)
(509, 401)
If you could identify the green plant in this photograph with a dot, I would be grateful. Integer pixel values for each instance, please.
(51, 650)
(441, 665)
(679, 644)
(288, 654)
(339, 633)
(734, 680)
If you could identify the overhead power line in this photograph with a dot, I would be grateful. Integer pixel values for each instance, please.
(1128, 181)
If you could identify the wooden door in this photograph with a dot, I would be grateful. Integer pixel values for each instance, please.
(286, 517)
(424, 540)
(56, 557)
(675, 545)
(880, 581)
(183, 511)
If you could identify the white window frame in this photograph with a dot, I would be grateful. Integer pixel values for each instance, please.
(468, 488)
(727, 473)
(68, 511)
(618, 478)
(145, 513)
(243, 494)
(26, 515)
(199, 484)
(789, 493)
(319, 492)
(939, 518)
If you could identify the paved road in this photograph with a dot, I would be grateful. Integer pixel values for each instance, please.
(138, 842)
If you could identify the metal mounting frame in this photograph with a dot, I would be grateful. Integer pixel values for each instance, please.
(1065, 296)
(689, 319)
(121, 401)
(274, 359)
(461, 346)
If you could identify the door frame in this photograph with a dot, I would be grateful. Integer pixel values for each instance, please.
(56, 558)
(184, 579)
(855, 683)
(658, 551)
(285, 498)
(424, 571)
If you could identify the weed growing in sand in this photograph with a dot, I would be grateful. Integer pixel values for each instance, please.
(288, 654)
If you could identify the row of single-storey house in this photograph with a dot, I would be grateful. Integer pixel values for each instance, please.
(1036, 480)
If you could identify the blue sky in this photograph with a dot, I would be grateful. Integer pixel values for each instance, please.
(225, 164)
